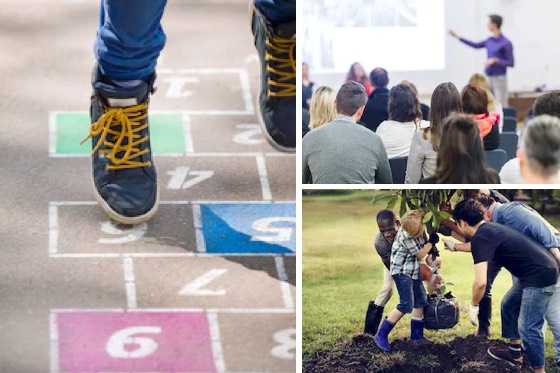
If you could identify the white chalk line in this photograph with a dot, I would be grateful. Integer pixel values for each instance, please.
(216, 339)
(130, 282)
(197, 220)
(284, 284)
(263, 177)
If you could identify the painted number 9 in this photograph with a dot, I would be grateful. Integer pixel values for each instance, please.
(145, 346)
(274, 233)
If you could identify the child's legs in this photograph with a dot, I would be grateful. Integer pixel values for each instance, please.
(404, 286)
(129, 38)
(420, 299)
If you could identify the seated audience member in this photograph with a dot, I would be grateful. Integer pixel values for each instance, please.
(307, 86)
(404, 120)
(546, 104)
(305, 118)
(376, 110)
(539, 153)
(357, 74)
(460, 157)
(423, 107)
(446, 100)
(322, 107)
(475, 102)
(481, 81)
(342, 151)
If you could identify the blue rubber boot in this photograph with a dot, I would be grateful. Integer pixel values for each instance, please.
(417, 330)
(382, 337)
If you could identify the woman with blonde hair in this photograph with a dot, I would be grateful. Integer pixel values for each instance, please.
(481, 81)
(321, 109)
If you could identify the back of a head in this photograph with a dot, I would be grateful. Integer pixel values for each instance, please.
(540, 143)
(321, 108)
(461, 158)
(350, 98)
(446, 100)
(548, 103)
(481, 81)
(379, 77)
(403, 104)
(412, 224)
(468, 211)
(474, 99)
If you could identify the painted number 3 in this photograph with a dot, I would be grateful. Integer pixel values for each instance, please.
(286, 344)
(124, 345)
(274, 232)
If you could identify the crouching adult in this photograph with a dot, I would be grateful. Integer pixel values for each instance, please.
(532, 264)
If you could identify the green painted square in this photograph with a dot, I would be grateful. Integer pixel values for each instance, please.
(166, 133)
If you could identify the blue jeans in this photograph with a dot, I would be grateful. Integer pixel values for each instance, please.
(553, 319)
(130, 37)
(511, 305)
(493, 271)
(534, 306)
(411, 293)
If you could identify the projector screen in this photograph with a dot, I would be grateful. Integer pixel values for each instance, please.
(400, 35)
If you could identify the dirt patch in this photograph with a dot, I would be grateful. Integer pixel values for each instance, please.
(361, 355)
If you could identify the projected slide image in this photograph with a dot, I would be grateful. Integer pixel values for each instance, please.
(374, 32)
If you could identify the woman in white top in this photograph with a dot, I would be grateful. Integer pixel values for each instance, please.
(422, 160)
(404, 119)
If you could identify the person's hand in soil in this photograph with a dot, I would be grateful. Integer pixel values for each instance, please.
(473, 314)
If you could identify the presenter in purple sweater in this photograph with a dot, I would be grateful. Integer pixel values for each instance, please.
(500, 56)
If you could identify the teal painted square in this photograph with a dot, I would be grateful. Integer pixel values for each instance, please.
(166, 133)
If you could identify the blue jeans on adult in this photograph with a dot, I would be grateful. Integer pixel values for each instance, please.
(553, 318)
(412, 293)
(493, 272)
(534, 306)
(130, 37)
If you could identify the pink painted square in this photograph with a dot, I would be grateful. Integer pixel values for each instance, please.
(115, 342)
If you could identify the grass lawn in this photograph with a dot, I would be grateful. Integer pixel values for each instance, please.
(342, 273)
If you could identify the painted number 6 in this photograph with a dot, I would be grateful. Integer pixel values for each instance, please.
(145, 346)
(275, 233)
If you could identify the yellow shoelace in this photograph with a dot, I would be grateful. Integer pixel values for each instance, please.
(129, 119)
(286, 67)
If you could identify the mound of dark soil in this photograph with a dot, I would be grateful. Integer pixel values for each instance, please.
(361, 355)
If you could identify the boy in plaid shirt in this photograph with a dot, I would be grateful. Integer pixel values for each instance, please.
(409, 248)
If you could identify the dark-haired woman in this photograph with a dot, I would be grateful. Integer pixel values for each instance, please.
(358, 74)
(405, 119)
(475, 102)
(422, 158)
(461, 158)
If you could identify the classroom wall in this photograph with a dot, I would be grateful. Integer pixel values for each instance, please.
(529, 24)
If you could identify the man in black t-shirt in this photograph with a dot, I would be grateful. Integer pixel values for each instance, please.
(532, 264)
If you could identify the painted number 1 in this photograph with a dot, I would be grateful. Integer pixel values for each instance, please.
(274, 233)
(117, 344)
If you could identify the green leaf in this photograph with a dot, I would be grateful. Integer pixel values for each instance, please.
(382, 198)
(427, 217)
(392, 203)
(445, 215)
(403, 207)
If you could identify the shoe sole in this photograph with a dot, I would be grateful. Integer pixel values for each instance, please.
(504, 360)
(128, 220)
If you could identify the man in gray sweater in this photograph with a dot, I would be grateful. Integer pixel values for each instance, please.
(342, 151)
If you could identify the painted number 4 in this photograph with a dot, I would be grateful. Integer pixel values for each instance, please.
(184, 177)
(123, 344)
(274, 233)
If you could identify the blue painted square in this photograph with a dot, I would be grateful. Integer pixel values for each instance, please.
(249, 228)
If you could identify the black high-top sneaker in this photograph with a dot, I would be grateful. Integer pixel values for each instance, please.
(276, 104)
(124, 175)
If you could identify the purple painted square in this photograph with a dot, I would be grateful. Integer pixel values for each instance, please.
(133, 342)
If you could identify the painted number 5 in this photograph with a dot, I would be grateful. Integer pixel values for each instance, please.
(117, 344)
(274, 232)
(286, 347)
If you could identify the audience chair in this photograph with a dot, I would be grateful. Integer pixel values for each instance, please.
(508, 142)
(496, 158)
(510, 112)
(398, 169)
(510, 124)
